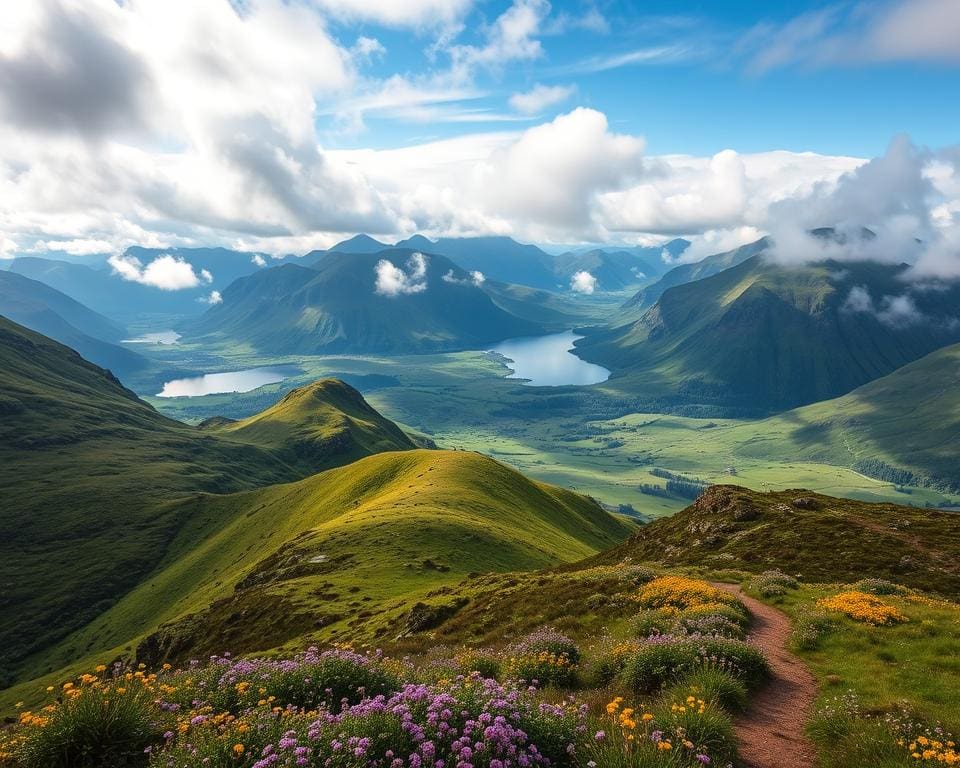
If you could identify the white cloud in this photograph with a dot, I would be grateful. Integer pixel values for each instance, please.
(475, 278)
(895, 30)
(166, 272)
(399, 13)
(391, 280)
(75, 247)
(8, 248)
(540, 97)
(213, 299)
(895, 311)
(583, 282)
(513, 36)
(258, 260)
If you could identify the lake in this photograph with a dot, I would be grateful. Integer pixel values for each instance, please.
(232, 381)
(546, 361)
(160, 337)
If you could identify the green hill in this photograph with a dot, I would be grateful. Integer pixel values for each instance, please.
(52, 313)
(761, 337)
(688, 273)
(314, 424)
(333, 307)
(902, 428)
(818, 538)
(91, 477)
(345, 553)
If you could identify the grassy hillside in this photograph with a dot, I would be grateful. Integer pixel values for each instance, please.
(901, 428)
(688, 273)
(91, 478)
(761, 336)
(316, 424)
(333, 308)
(818, 538)
(342, 554)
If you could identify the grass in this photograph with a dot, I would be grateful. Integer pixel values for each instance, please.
(574, 436)
(807, 536)
(348, 553)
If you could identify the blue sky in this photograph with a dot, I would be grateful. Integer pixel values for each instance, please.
(283, 126)
(704, 92)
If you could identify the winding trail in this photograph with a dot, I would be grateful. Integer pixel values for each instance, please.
(770, 733)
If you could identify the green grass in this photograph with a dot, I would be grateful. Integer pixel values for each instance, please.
(909, 672)
(808, 536)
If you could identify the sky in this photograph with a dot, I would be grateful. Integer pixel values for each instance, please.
(283, 126)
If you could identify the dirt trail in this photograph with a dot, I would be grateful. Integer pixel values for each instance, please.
(770, 732)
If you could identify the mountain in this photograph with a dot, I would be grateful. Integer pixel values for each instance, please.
(815, 537)
(687, 273)
(125, 300)
(315, 423)
(498, 258)
(333, 308)
(52, 313)
(762, 337)
(92, 477)
(614, 270)
(902, 427)
(361, 244)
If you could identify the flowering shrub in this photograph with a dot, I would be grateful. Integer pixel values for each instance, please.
(681, 593)
(470, 721)
(879, 587)
(659, 660)
(306, 681)
(544, 657)
(861, 606)
(809, 628)
(773, 583)
(682, 734)
(102, 720)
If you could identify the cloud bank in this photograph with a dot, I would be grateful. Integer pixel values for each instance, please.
(166, 272)
(392, 280)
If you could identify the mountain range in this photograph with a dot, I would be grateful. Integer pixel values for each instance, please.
(336, 306)
(761, 336)
(54, 314)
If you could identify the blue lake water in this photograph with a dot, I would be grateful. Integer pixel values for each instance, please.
(232, 381)
(546, 361)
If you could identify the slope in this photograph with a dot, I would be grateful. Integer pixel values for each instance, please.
(334, 308)
(90, 477)
(341, 554)
(902, 428)
(52, 313)
(316, 423)
(816, 537)
(761, 336)
(688, 273)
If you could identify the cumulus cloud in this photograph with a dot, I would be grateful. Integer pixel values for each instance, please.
(475, 278)
(258, 260)
(166, 272)
(212, 299)
(583, 282)
(513, 36)
(895, 311)
(392, 280)
(891, 210)
(540, 97)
